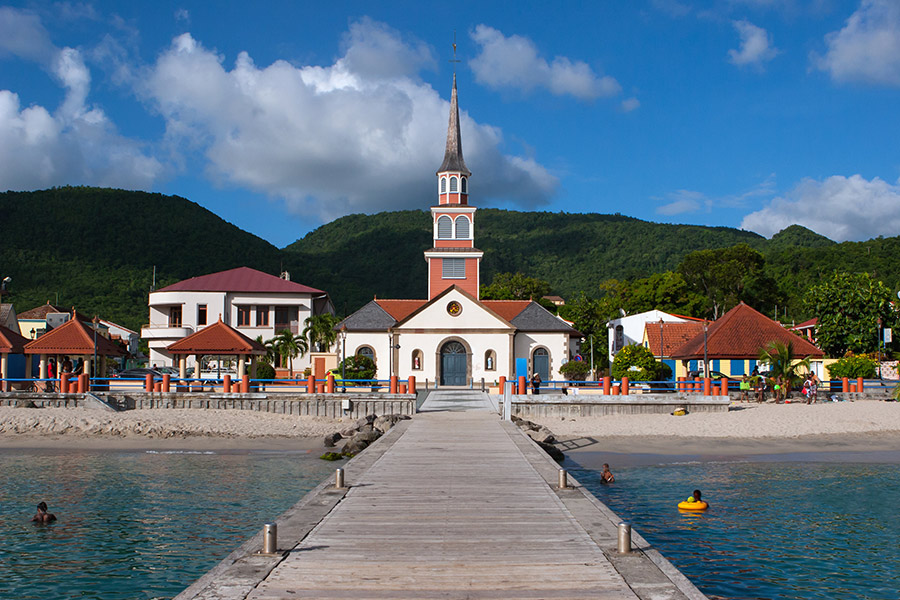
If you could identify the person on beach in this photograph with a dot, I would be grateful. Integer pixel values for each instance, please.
(42, 515)
(606, 476)
(745, 388)
(536, 383)
(813, 396)
(51, 368)
(760, 388)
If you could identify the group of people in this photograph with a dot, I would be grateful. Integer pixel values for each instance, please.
(779, 386)
(64, 367)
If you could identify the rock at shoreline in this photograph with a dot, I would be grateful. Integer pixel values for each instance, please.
(331, 439)
(554, 452)
(542, 436)
(363, 433)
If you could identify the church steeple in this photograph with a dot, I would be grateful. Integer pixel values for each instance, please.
(453, 156)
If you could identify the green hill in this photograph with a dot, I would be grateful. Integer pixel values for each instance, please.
(96, 249)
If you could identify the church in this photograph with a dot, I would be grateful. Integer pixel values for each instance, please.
(452, 338)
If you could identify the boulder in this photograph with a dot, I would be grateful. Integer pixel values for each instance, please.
(349, 432)
(353, 447)
(366, 436)
(366, 420)
(332, 438)
(554, 452)
(385, 422)
(542, 436)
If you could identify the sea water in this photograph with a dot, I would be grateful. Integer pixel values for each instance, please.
(135, 525)
(774, 530)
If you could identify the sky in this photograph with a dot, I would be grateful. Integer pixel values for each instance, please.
(282, 116)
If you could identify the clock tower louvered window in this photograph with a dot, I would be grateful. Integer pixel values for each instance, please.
(462, 228)
(445, 228)
(453, 268)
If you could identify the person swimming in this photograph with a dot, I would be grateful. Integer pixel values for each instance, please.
(42, 515)
(606, 476)
(695, 497)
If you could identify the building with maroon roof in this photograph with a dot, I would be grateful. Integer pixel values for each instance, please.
(451, 337)
(252, 302)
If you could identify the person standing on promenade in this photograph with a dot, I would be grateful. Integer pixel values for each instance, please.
(536, 383)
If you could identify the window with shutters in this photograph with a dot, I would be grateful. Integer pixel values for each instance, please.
(243, 316)
(443, 185)
(464, 186)
(462, 228)
(454, 268)
(445, 228)
(454, 184)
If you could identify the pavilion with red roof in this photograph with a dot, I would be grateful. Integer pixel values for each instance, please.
(74, 338)
(218, 340)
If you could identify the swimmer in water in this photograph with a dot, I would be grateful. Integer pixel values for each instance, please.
(606, 476)
(42, 515)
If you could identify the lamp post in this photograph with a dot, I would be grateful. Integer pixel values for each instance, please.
(343, 357)
(662, 346)
(705, 358)
(94, 369)
(879, 347)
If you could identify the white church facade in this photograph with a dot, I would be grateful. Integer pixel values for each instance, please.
(453, 338)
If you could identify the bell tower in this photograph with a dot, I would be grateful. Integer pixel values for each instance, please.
(453, 258)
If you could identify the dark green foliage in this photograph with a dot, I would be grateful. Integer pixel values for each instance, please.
(265, 371)
(575, 370)
(853, 366)
(635, 355)
(355, 367)
(332, 456)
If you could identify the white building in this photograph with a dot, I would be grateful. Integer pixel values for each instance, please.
(629, 329)
(453, 338)
(253, 302)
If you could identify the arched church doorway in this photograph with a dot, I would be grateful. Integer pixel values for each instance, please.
(541, 362)
(453, 364)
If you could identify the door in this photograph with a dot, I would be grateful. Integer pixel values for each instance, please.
(453, 364)
(542, 363)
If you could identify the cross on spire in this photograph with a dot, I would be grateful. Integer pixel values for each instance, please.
(454, 59)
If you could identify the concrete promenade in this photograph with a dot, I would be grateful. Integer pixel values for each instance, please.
(453, 504)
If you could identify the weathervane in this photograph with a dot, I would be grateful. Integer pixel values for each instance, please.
(454, 59)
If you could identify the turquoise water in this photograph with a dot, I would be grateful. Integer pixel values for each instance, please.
(774, 530)
(135, 525)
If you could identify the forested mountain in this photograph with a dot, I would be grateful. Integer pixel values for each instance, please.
(96, 249)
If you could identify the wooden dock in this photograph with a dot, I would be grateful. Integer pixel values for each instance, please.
(458, 505)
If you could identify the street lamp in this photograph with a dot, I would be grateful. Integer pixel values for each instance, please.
(343, 357)
(705, 358)
(94, 369)
(879, 347)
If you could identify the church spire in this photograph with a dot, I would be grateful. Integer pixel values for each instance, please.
(453, 157)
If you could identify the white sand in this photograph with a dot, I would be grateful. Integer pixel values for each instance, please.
(160, 423)
(742, 422)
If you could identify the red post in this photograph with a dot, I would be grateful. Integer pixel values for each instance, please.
(616, 389)
(502, 383)
(329, 384)
(158, 387)
(320, 387)
(412, 384)
(697, 385)
(79, 386)
(167, 379)
(402, 388)
(607, 385)
(64, 383)
(522, 389)
(852, 387)
(226, 384)
(860, 385)
(311, 384)
(707, 386)
(845, 384)
(245, 384)
(624, 386)
(148, 382)
(393, 385)
(724, 386)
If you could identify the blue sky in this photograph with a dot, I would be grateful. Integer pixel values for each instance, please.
(280, 116)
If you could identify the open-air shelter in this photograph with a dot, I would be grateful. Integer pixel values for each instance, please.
(73, 339)
(217, 339)
(11, 343)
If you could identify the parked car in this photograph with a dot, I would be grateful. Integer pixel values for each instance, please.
(712, 374)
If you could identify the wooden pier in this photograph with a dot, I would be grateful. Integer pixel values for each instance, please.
(453, 504)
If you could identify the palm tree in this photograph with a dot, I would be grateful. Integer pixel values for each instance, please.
(289, 346)
(319, 331)
(270, 349)
(780, 358)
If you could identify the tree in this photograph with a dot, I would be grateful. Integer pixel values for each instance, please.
(289, 346)
(589, 316)
(728, 276)
(515, 286)
(356, 367)
(319, 331)
(575, 370)
(782, 362)
(637, 363)
(853, 366)
(848, 306)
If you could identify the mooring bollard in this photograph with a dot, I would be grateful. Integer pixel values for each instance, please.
(563, 479)
(624, 538)
(339, 478)
(270, 538)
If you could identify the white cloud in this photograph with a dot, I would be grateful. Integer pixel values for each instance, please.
(756, 45)
(867, 49)
(514, 62)
(840, 208)
(349, 137)
(630, 104)
(673, 8)
(76, 143)
(683, 201)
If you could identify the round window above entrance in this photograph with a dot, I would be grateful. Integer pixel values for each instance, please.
(454, 308)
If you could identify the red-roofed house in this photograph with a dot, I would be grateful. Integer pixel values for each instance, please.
(252, 302)
(733, 342)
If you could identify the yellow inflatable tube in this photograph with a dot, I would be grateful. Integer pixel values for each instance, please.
(693, 505)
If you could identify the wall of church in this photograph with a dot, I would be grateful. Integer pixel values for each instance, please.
(557, 344)
(438, 284)
(479, 348)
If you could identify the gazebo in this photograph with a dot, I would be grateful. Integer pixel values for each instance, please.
(217, 339)
(74, 338)
(11, 343)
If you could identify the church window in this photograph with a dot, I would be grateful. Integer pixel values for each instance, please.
(366, 351)
(619, 340)
(453, 268)
(462, 228)
(445, 228)
(464, 185)
(490, 360)
(454, 184)
(417, 360)
(443, 185)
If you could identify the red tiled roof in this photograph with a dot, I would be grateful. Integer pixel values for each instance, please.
(400, 309)
(674, 335)
(218, 338)
(241, 279)
(741, 333)
(41, 312)
(807, 324)
(11, 342)
(72, 337)
(507, 309)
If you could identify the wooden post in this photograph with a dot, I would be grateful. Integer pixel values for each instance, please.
(311, 384)
(625, 386)
(522, 389)
(412, 384)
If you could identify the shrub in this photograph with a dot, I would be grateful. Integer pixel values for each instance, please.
(356, 367)
(575, 370)
(265, 371)
(853, 366)
(634, 355)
